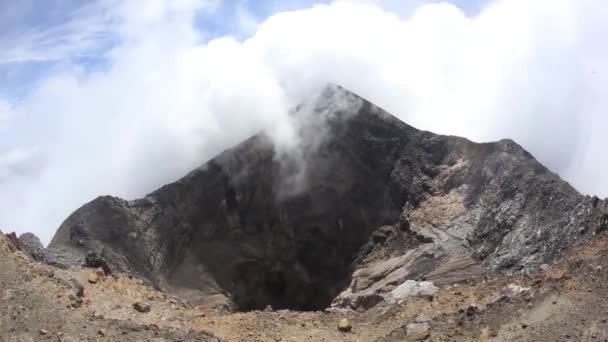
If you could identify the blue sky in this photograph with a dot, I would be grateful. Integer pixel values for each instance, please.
(30, 30)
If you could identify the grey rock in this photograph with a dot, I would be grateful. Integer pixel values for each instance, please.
(422, 318)
(411, 288)
(31, 245)
(93, 260)
(77, 287)
(14, 241)
(142, 307)
(501, 299)
(418, 331)
(75, 301)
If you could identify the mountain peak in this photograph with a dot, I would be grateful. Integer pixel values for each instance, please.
(363, 189)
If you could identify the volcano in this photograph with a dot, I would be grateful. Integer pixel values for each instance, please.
(363, 203)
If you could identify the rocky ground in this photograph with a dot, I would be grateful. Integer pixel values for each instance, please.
(564, 302)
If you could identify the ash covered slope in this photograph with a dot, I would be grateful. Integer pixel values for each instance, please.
(255, 227)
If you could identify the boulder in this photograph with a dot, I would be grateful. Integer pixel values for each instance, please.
(412, 288)
(31, 245)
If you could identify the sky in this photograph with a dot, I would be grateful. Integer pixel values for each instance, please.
(120, 97)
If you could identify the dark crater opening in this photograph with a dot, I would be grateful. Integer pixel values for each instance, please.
(298, 267)
(289, 287)
(296, 263)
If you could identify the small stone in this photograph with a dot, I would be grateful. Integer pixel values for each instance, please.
(422, 318)
(100, 272)
(268, 308)
(142, 307)
(517, 291)
(418, 331)
(43, 332)
(47, 273)
(344, 325)
(472, 310)
(93, 278)
(101, 332)
(76, 302)
(77, 286)
(503, 298)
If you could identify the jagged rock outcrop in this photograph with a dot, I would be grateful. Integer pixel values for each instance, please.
(365, 203)
(31, 244)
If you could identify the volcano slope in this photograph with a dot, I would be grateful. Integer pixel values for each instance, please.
(408, 234)
(362, 204)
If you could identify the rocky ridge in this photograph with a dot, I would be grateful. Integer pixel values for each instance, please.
(367, 230)
(364, 204)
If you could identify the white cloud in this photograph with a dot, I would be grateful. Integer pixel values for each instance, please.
(531, 71)
(18, 162)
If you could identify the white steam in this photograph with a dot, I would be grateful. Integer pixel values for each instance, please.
(167, 100)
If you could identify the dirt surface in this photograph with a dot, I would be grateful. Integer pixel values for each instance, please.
(566, 302)
(35, 306)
